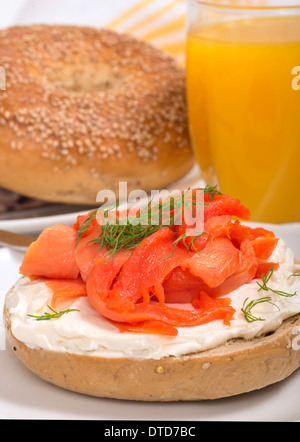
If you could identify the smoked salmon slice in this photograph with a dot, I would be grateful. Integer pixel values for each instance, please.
(184, 285)
(65, 288)
(244, 274)
(204, 301)
(86, 252)
(150, 327)
(146, 269)
(144, 272)
(52, 254)
(226, 205)
(98, 293)
(181, 286)
(215, 263)
(136, 288)
(264, 247)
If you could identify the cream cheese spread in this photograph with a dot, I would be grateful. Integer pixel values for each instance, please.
(86, 332)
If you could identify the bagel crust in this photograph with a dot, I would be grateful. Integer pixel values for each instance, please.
(236, 367)
(87, 108)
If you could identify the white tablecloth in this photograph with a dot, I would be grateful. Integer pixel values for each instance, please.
(160, 22)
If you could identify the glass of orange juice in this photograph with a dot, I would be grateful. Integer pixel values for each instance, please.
(243, 93)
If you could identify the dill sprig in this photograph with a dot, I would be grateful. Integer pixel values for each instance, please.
(124, 234)
(46, 316)
(183, 238)
(246, 309)
(294, 275)
(211, 191)
(123, 237)
(86, 225)
(265, 280)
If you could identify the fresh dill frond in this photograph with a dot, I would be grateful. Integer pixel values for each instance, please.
(126, 234)
(265, 280)
(183, 238)
(123, 237)
(46, 316)
(86, 225)
(247, 308)
(212, 191)
(294, 275)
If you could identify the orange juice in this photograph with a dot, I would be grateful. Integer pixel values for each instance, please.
(244, 112)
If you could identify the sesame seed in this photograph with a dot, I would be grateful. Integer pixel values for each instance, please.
(107, 95)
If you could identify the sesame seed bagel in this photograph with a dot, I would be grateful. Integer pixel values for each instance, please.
(235, 367)
(86, 108)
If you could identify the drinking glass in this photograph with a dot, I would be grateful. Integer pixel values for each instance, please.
(243, 94)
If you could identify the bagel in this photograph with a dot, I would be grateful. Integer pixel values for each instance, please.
(233, 368)
(87, 108)
(133, 367)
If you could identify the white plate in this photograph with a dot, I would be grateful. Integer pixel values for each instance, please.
(24, 396)
(34, 225)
